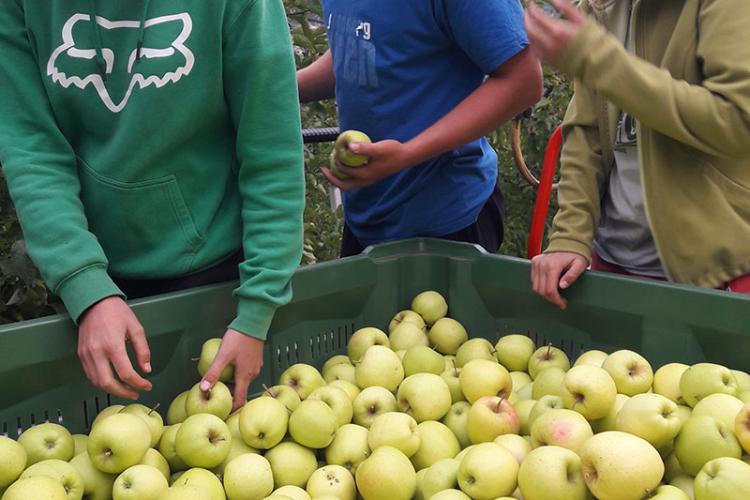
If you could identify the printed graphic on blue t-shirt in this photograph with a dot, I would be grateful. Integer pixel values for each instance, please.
(400, 67)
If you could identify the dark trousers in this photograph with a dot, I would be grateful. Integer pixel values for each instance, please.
(226, 270)
(486, 232)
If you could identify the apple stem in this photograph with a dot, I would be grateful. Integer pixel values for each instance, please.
(152, 410)
(500, 402)
(195, 359)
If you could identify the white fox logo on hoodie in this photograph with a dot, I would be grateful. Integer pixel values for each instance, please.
(139, 80)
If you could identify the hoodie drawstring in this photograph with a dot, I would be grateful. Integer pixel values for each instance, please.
(99, 45)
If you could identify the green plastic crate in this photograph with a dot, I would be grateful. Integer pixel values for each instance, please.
(41, 378)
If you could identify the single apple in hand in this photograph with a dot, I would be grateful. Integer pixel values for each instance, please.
(209, 350)
(514, 352)
(447, 335)
(344, 154)
(431, 306)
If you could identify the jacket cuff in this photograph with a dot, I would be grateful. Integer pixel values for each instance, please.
(579, 49)
(253, 318)
(565, 245)
(85, 288)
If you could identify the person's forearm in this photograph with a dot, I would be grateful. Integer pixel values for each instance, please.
(316, 82)
(513, 88)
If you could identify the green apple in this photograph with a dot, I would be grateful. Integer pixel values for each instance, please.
(477, 348)
(419, 493)
(548, 382)
(723, 479)
(216, 401)
(463, 452)
(107, 412)
(452, 379)
(431, 306)
(620, 466)
(744, 397)
(139, 482)
(337, 400)
(587, 389)
(686, 484)
(490, 417)
(380, 367)
(291, 463)
(701, 440)
(47, 441)
(667, 381)
(157, 461)
(407, 335)
(704, 379)
(344, 154)
(743, 381)
(151, 417)
(684, 413)
(488, 471)
(313, 424)
(302, 378)
(437, 441)
(424, 396)
(238, 449)
(363, 339)
(450, 361)
(525, 392)
(552, 473)
(263, 422)
(401, 354)
(62, 472)
(668, 492)
(293, 492)
(348, 387)
(542, 406)
(339, 372)
(518, 446)
(386, 475)
(520, 380)
(447, 335)
(741, 427)
(523, 410)
(722, 407)
(248, 477)
(451, 494)
(397, 430)
(593, 357)
(118, 442)
(206, 481)
(80, 442)
(514, 352)
(609, 422)
(39, 487)
(547, 357)
(176, 413)
(630, 371)
(372, 402)
(422, 359)
(650, 416)
(286, 395)
(407, 316)
(97, 485)
(442, 475)
(334, 481)
(339, 359)
(481, 377)
(168, 450)
(672, 467)
(349, 447)
(203, 440)
(183, 492)
(564, 428)
(208, 353)
(13, 458)
(457, 420)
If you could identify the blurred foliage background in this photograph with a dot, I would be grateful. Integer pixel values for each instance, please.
(24, 296)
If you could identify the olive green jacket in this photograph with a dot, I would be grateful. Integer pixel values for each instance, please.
(689, 89)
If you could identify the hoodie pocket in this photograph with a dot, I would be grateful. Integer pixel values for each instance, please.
(145, 227)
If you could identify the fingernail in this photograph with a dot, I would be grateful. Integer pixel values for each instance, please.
(354, 147)
(563, 284)
(148, 367)
(205, 385)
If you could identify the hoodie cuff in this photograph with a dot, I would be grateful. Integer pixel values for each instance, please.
(253, 318)
(85, 288)
(573, 246)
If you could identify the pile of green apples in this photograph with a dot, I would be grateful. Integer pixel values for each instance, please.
(420, 412)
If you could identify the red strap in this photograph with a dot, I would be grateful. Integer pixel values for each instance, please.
(544, 191)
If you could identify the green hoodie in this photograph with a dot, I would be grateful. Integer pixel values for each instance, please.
(153, 143)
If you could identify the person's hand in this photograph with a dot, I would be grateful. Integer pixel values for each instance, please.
(385, 158)
(549, 36)
(103, 332)
(546, 272)
(246, 353)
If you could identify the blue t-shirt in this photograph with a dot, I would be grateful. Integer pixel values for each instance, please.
(400, 67)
